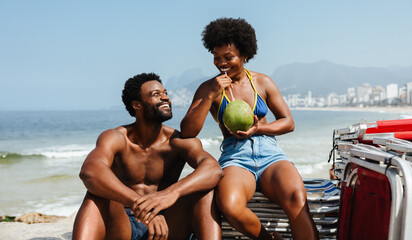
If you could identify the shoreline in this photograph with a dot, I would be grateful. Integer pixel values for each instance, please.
(377, 109)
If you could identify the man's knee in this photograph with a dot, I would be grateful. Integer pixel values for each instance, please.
(89, 220)
(98, 216)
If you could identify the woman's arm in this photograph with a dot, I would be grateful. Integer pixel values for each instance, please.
(202, 102)
(192, 122)
(284, 121)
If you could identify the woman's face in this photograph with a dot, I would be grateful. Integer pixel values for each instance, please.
(227, 59)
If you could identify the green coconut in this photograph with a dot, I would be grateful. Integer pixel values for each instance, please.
(238, 115)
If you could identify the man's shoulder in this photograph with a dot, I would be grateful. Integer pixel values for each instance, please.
(113, 135)
(115, 132)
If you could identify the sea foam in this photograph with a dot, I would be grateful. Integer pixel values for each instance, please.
(206, 142)
(66, 151)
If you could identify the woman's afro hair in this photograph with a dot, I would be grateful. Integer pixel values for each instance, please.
(225, 31)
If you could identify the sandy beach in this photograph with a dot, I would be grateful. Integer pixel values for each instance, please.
(59, 230)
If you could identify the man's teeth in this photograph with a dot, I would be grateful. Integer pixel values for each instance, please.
(225, 69)
(164, 105)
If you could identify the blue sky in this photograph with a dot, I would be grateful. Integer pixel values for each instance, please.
(76, 55)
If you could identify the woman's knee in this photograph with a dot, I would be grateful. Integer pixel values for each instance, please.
(229, 204)
(234, 190)
(295, 200)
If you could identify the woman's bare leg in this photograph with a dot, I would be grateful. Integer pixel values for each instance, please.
(234, 190)
(282, 184)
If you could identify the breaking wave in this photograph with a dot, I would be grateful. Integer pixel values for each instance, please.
(67, 151)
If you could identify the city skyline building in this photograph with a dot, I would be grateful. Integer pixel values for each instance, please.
(363, 95)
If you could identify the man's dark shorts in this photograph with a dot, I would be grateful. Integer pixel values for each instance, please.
(139, 230)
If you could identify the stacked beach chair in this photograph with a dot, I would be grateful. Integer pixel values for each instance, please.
(372, 162)
(323, 200)
(363, 134)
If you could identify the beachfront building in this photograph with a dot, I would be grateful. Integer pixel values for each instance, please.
(297, 100)
(293, 100)
(309, 99)
(392, 92)
(409, 93)
(378, 95)
(334, 99)
(402, 94)
(363, 93)
(351, 96)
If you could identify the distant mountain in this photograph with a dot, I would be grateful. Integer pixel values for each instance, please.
(187, 79)
(182, 88)
(321, 78)
(324, 77)
(403, 72)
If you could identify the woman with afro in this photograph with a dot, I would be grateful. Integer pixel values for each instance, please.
(251, 160)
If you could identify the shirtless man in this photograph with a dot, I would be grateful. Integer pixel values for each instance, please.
(132, 176)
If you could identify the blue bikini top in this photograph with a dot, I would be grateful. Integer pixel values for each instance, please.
(260, 108)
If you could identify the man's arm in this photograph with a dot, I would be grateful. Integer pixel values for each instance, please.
(96, 174)
(207, 171)
(205, 177)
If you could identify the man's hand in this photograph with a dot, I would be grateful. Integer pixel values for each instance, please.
(147, 207)
(158, 228)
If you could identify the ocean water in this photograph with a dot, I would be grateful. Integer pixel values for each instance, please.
(41, 153)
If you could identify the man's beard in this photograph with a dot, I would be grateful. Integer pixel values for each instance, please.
(155, 114)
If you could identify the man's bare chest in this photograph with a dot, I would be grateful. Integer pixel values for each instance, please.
(147, 166)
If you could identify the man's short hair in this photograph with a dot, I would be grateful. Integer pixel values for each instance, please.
(132, 87)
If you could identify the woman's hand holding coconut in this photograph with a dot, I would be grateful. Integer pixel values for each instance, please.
(239, 119)
(248, 133)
